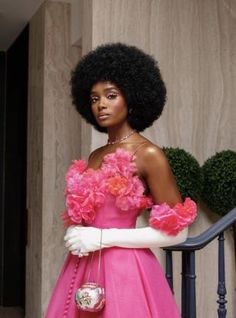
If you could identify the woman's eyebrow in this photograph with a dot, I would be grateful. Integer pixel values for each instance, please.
(105, 89)
(110, 87)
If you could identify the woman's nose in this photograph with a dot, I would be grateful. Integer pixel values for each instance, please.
(101, 104)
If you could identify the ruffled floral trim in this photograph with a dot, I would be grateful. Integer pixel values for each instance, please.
(86, 189)
(119, 163)
(119, 169)
(173, 220)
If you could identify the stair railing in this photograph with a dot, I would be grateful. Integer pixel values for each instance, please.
(188, 248)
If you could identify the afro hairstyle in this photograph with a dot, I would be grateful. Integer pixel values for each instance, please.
(134, 72)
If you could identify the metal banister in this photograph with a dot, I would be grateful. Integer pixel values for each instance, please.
(188, 248)
(198, 242)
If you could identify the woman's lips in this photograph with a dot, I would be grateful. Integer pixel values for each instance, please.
(103, 116)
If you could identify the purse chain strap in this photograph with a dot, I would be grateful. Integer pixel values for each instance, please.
(99, 261)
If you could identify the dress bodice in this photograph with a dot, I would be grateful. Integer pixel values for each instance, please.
(111, 196)
(110, 216)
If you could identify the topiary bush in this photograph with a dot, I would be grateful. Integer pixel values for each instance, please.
(219, 192)
(187, 172)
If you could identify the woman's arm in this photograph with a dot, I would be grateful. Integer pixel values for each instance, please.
(154, 167)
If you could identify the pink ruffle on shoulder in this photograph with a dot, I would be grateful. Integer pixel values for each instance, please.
(86, 188)
(173, 220)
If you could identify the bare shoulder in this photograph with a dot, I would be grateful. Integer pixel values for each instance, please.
(149, 157)
(151, 151)
(96, 153)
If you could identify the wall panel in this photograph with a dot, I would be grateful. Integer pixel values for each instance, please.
(195, 46)
(54, 140)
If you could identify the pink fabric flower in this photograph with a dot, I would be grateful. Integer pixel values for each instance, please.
(86, 188)
(66, 219)
(84, 194)
(145, 202)
(73, 175)
(119, 169)
(130, 193)
(187, 210)
(119, 162)
(73, 208)
(116, 185)
(173, 220)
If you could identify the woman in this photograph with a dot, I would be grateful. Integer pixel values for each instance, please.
(119, 90)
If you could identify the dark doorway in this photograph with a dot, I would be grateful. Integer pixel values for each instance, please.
(13, 141)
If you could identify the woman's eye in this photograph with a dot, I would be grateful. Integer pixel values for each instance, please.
(112, 96)
(94, 99)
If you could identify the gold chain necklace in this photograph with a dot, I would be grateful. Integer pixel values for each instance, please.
(116, 141)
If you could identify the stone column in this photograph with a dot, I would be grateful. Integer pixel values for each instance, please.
(54, 139)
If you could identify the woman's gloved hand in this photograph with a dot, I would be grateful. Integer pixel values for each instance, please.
(81, 240)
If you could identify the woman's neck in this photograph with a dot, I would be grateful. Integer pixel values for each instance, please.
(116, 135)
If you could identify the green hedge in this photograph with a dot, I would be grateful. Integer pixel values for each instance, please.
(187, 172)
(219, 192)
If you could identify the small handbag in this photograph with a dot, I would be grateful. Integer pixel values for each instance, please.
(90, 296)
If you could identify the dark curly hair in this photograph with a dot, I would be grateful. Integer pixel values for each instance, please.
(134, 72)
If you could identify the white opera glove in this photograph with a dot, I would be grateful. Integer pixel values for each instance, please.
(82, 240)
(71, 232)
(88, 239)
(169, 226)
(146, 237)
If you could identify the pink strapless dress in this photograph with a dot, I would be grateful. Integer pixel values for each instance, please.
(134, 282)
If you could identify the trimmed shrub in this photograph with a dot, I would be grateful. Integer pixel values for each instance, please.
(187, 172)
(219, 192)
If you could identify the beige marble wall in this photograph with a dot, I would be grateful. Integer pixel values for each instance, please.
(194, 42)
(53, 141)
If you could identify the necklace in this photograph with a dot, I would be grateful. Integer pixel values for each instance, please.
(116, 141)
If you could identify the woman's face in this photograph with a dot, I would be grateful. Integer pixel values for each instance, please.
(108, 105)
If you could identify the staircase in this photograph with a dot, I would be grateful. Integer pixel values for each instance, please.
(188, 249)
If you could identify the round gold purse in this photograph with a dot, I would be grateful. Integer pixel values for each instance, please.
(90, 297)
